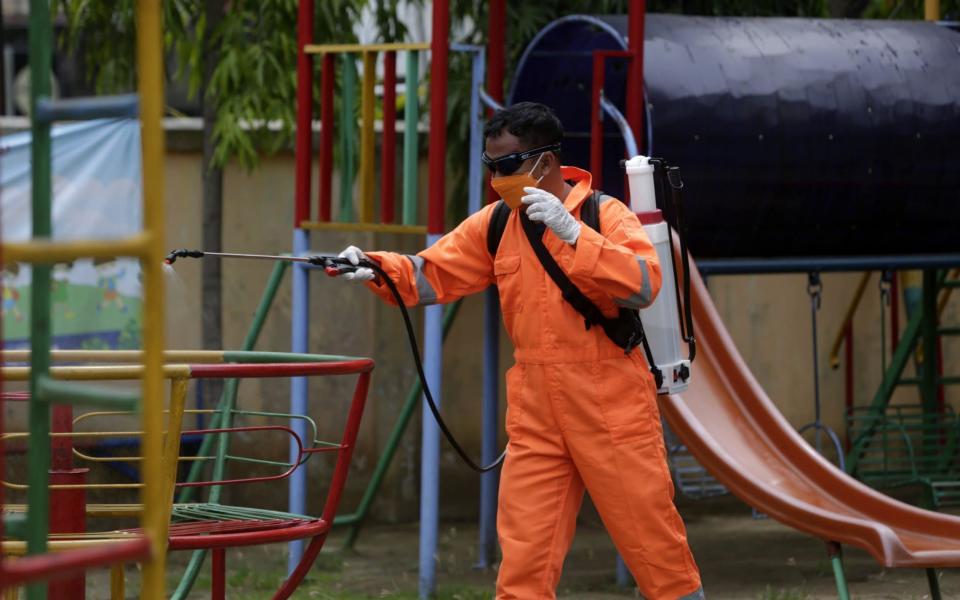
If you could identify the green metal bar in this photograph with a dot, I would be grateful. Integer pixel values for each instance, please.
(836, 560)
(880, 400)
(949, 331)
(348, 136)
(53, 391)
(355, 519)
(928, 372)
(38, 455)
(951, 283)
(411, 138)
(248, 357)
(259, 461)
(259, 317)
(256, 326)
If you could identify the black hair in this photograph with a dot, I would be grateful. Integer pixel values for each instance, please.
(534, 124)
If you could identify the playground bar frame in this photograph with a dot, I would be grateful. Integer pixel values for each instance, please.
(757, 266)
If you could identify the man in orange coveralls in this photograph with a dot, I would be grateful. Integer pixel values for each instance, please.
(580, 413)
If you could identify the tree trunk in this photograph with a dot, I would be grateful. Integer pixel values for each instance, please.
(212, 176)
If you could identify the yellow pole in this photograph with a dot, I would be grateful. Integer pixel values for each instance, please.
(367, 101)
(150, 78)
(178, 398)
(931, 10)
(116, 583)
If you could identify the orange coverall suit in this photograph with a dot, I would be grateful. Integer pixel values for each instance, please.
(579, 412)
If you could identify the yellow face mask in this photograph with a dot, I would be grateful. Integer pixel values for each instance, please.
(510, 187)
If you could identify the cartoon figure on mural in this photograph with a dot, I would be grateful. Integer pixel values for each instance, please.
(108, 274)
(59, 291)
(11, 296)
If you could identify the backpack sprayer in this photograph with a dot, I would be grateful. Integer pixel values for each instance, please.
(667, 321)
(333, 266)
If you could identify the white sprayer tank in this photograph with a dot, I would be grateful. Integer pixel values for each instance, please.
(661, 320)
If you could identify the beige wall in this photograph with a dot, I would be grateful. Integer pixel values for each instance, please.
(768, 317)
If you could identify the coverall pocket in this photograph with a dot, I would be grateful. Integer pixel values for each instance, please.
(628, 403)
(514, 401)
(506, 267)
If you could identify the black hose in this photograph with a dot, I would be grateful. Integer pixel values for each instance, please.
(342, 265)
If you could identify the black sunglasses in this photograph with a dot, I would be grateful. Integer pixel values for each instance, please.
(509, 163)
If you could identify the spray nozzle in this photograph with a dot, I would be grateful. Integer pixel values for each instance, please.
(182, 253)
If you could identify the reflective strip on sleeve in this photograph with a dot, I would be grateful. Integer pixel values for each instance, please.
(425, 291)
(644, 296)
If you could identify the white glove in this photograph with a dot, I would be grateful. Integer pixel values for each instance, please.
(548, 209)
(355, 255)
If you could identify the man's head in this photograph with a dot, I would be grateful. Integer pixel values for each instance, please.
(511, 135)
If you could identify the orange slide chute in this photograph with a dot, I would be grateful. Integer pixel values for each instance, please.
(732, 427)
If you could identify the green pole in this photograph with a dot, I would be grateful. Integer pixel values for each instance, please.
(227, 401)
(253, 333)
(843, 593)
(348, 135)
(356, 519)
(928, 382)
(411, 117)
(38, 457)
(889, 383)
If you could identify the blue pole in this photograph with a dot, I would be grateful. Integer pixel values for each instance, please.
(300, 335)
(430, 446)
(624, 578)
(490, 419)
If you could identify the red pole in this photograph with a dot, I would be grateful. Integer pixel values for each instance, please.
(596, 125)
(496, 60)
(327, 76)
(635, 104)
(388, 149)
(438, 116)
(303, 148)
(218, 587)
(69, 515)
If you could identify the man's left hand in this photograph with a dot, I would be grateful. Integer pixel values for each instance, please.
(548, 209)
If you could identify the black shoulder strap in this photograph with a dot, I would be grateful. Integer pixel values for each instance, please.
(590, 211)
(498, 222)
(625, 330)
(589, 214)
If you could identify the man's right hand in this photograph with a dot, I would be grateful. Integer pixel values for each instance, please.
(355, 255)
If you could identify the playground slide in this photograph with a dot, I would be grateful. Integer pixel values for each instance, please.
(739, 435)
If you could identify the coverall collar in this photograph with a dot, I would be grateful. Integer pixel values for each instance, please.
(582, 186)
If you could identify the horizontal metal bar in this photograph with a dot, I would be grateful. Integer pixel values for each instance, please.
(123, 106)
(951, 283)
(949, 330)
(365, 227)
(90, 373)
(63, 392)
(807, 264)
(50, 252)
(345, 48)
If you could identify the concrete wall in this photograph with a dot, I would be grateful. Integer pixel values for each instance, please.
(768, 317)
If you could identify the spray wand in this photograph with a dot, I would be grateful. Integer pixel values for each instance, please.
(333, 266)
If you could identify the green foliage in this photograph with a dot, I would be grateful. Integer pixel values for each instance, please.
(254, 83)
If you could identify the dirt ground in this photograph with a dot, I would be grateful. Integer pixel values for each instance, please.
(740, 557)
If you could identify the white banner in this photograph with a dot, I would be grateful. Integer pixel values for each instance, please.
(96, 195)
